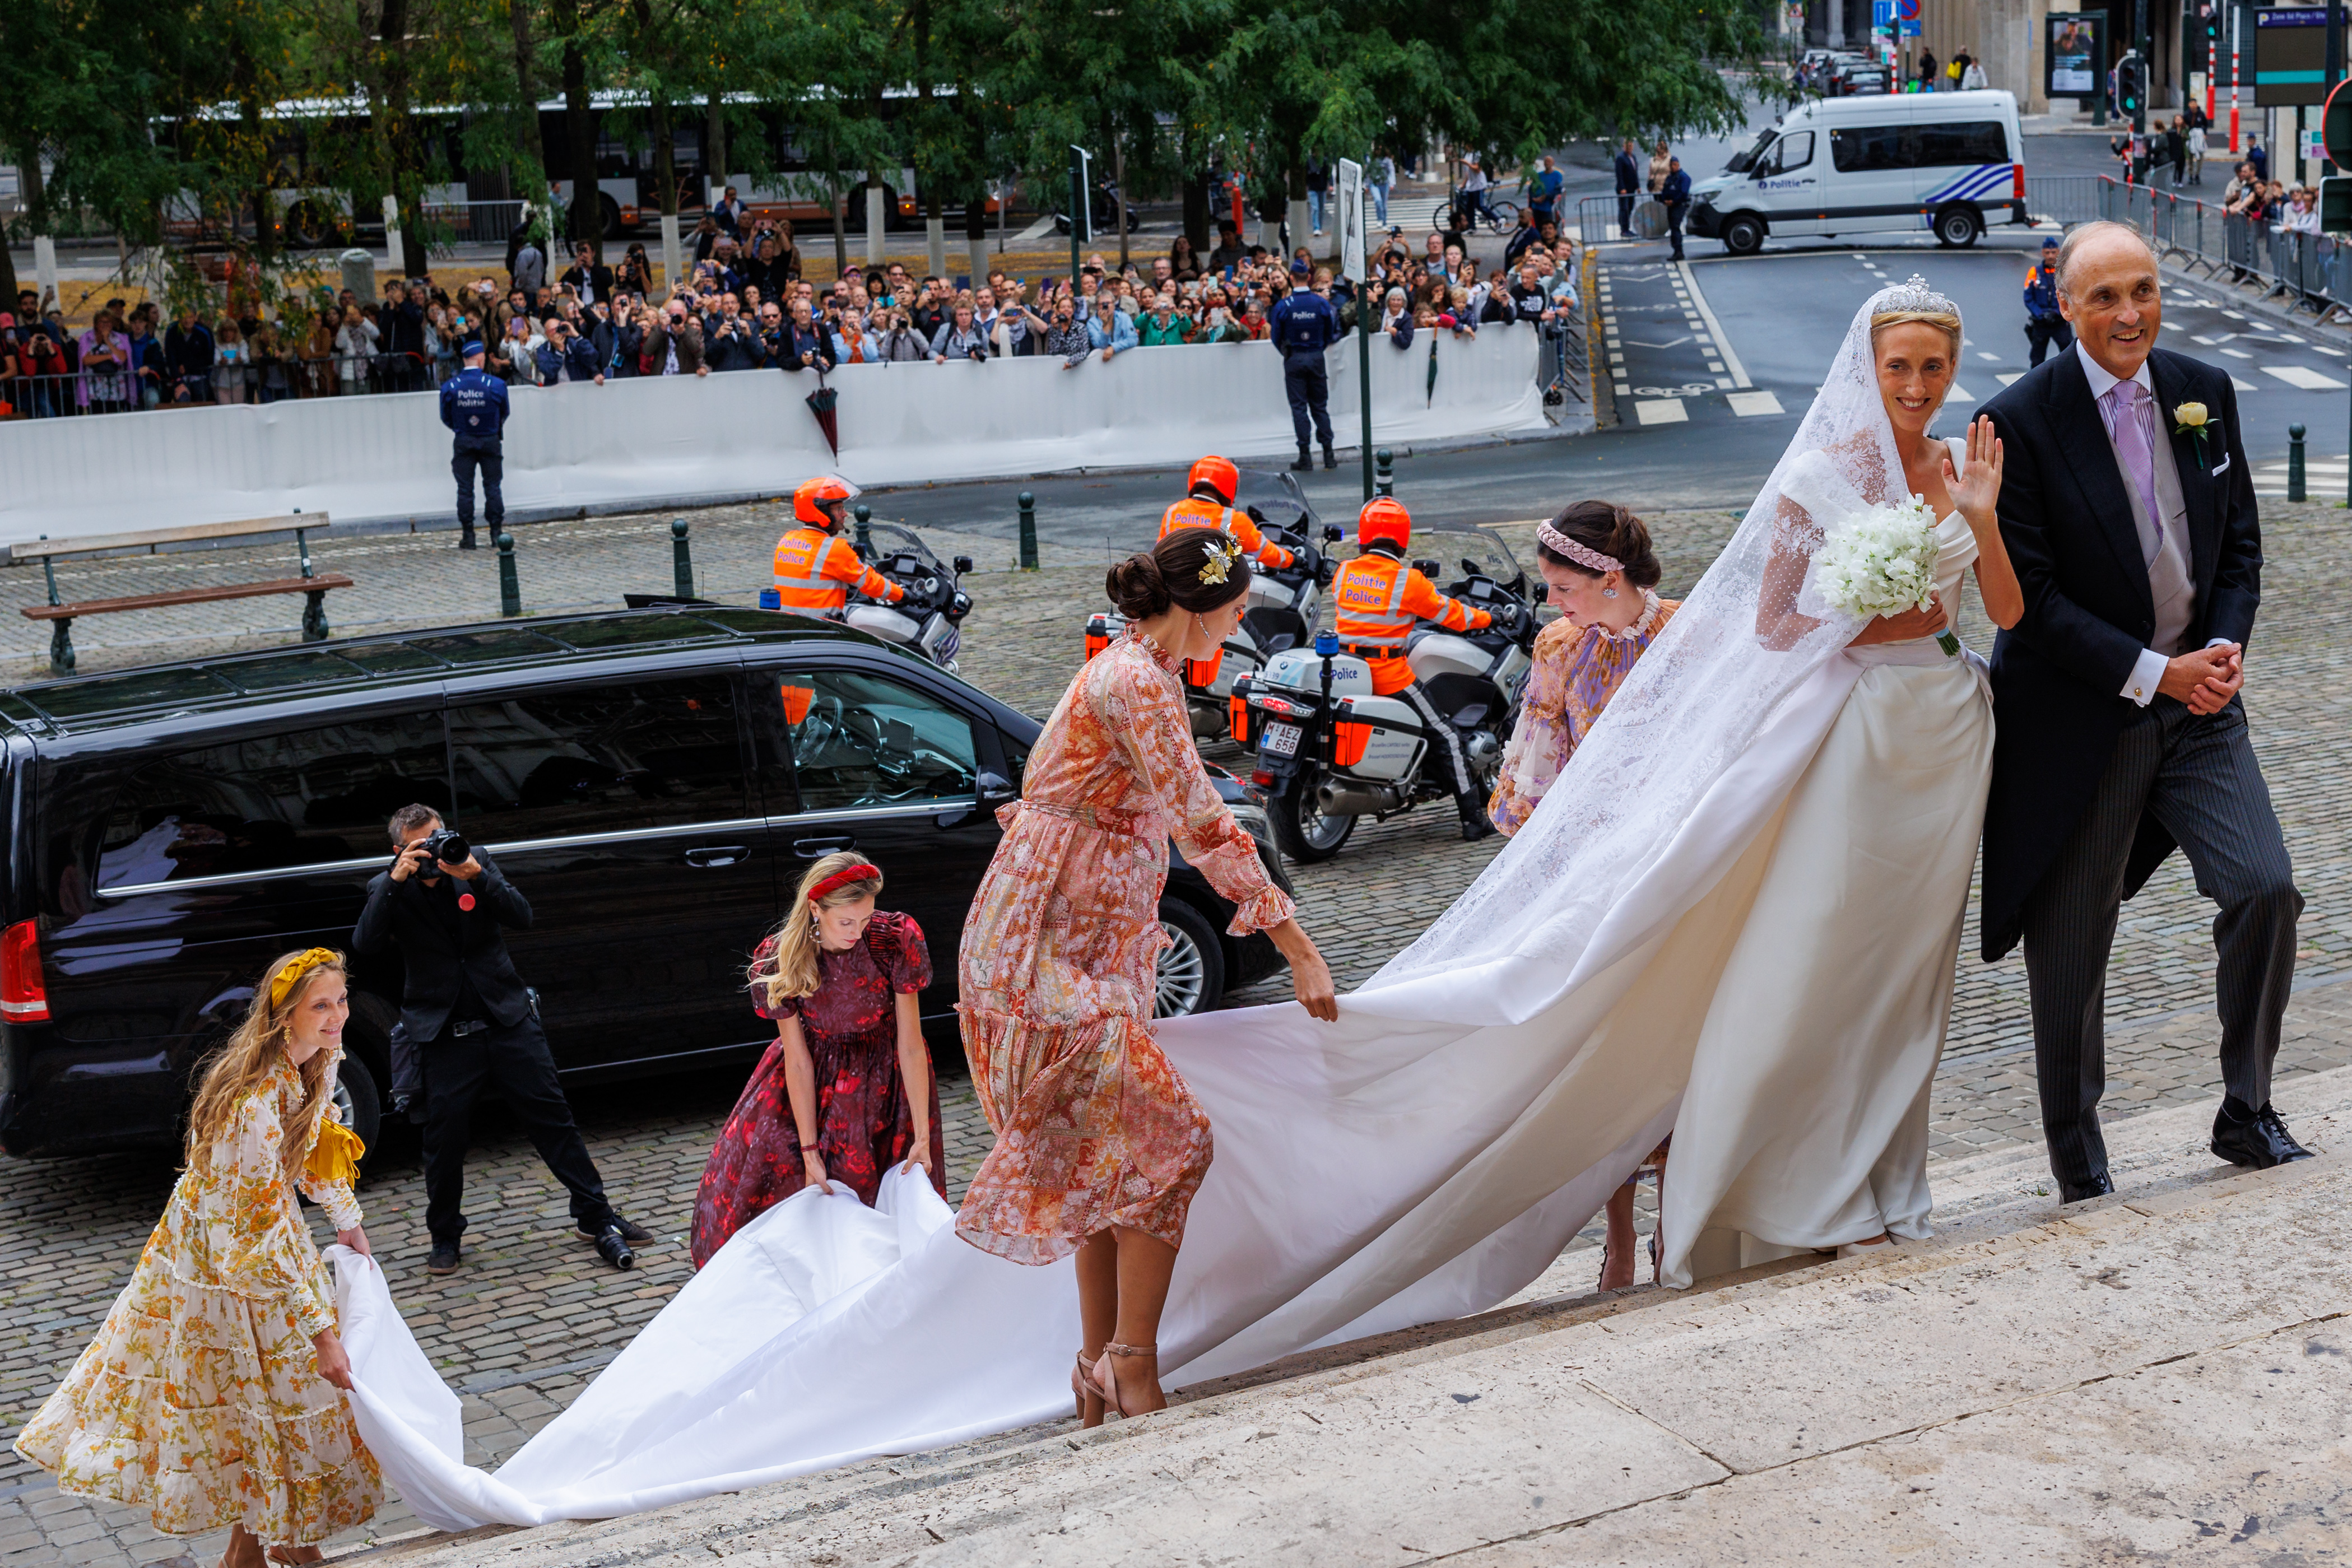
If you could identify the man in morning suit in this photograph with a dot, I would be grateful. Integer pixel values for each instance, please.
(2128, 510)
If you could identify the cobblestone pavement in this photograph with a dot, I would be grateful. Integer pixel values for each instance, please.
(533, 1315)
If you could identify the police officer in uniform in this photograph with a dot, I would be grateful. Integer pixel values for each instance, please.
(474, 406)
(2045, 328)
(1302, 326)
(1209, 504)
(816, 567)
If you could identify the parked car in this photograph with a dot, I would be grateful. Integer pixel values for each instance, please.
(654, 782)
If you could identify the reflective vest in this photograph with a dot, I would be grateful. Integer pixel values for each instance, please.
(1379, 599)
(1193, 513)
(815, 570)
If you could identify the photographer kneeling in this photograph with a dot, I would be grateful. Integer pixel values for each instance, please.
(441, 904)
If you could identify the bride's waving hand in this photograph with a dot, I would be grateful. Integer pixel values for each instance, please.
(1976, 493)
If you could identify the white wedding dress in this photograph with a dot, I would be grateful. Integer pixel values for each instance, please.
(1733, 917)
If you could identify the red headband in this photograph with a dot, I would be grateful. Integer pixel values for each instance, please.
(844, 877)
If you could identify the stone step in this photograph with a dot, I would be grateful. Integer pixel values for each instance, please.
(2060, 1385)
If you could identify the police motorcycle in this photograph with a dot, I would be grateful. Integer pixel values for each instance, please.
(1329, 750)
(1283, 602)
(930, 620)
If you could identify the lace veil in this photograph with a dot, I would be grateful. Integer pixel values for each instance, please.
(1740, 646)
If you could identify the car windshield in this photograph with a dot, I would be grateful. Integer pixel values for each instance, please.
(1743, 161)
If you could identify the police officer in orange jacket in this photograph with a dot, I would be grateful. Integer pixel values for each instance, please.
(1214, 483)
(1379, 599)
(816, 567)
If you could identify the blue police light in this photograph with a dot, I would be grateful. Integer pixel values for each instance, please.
(1327, 643)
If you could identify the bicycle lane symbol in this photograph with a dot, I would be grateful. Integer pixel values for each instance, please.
(1693, 389)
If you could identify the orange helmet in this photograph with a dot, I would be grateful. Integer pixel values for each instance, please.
(810, 501)
(1384, 517)
(1217, 473)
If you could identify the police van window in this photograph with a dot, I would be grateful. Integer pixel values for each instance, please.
(864, 740)
(1972, 141)
(1792, 153)
(1868, 149)
(272, 802)
(605, 758)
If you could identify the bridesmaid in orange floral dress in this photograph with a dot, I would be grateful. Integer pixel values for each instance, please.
(1099, 1145)
(1597, 559)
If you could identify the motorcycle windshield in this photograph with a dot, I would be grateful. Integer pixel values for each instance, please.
(1461, 550)
(1276, 496)
(899, 552)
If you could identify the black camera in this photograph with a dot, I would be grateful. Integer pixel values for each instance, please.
(446, 845)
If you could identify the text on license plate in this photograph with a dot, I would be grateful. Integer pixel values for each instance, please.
(1282, 739)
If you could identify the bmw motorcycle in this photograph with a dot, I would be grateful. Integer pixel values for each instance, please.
(1330, 750)
(930, 620)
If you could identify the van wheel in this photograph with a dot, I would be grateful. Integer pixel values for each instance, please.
(608, 216)
(1958, 227)
(1191, 969)
(1743, 235)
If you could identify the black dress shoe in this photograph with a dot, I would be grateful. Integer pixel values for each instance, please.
(2096, 1186)
(443, 1259)
(466, 539)
(630, 1230)
(2261, 1143)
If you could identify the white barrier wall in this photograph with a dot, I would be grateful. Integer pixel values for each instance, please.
(385, 460)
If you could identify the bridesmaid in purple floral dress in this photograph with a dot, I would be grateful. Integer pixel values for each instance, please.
(847, 1087)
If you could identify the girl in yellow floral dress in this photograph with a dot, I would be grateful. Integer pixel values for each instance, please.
(212, 1393)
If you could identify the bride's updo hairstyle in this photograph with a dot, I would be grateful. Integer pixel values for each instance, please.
(1603, 530)
(1169, 572)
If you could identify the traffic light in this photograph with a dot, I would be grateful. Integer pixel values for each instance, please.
(2131, 84)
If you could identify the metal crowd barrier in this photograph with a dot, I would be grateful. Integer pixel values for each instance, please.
(2310, 269)
(73, 393)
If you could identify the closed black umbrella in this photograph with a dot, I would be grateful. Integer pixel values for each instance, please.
(820, 404)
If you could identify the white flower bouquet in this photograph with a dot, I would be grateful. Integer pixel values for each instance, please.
(1882, 561)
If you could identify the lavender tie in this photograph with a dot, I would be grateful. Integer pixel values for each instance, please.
(2127, 415)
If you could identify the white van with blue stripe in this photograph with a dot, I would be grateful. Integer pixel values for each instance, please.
(1949, 163)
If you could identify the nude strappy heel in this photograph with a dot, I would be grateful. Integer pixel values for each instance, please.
(1106, 1377)
(1089, 1398)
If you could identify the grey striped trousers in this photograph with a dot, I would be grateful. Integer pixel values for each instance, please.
(2198, 777)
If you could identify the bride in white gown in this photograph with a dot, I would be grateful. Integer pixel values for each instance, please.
(1733, 917)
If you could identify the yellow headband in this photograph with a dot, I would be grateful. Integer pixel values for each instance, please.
(282, 984)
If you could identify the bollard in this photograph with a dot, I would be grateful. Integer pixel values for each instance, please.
(681, 559)
(509, 589)
(2294, 463)
(1385, 484)
(1028, 504)
(865, 515)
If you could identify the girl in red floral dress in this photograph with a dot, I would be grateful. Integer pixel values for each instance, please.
(847, 1087)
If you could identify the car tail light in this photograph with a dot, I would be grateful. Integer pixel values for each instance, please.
(1349, 741)
(23, 998)
(1202, 672)
(2017, 181)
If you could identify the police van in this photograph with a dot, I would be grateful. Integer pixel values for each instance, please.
(1949, 163)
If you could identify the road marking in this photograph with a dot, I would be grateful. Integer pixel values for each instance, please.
(1715, 329)
(1960, 394)
(1661, 411)
(2324, 348)
(2305, 376)
(2288, 336)
(2235, 314)
(1723, 382)
(2238, 353)
(1749, 403)
(2242, 384)
(2008, 377)
(1982, 355)
(2209, 342)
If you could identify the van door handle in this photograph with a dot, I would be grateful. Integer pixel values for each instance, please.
(725, 854)
(818, 849)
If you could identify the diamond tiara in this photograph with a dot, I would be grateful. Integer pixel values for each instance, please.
(1912, 294)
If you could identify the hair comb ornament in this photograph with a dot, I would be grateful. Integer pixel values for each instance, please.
(1223, 550)
(1912, 294)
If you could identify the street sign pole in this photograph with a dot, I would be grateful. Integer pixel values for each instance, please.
(1355, 267)
(1081, 213)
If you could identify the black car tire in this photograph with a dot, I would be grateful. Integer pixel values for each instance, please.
(1191, 968)
(1301, 830)
(1956, 226)
(1743, 234)
(358, 1099)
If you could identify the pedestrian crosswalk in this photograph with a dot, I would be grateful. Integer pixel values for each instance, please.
(2323, 478)
(1749, 404)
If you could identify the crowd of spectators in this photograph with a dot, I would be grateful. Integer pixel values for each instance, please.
(744, 306)
(2270, 203)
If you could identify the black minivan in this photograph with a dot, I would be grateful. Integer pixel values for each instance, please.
(653, 780)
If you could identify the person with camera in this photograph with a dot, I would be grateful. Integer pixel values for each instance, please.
(440, 904)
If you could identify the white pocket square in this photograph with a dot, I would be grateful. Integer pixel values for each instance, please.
(2223, 466)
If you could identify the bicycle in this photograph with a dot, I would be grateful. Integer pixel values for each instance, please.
(1495, 217)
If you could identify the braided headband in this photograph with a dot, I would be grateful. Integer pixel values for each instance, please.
(861, 872)
(1582, 555)
(282, 984)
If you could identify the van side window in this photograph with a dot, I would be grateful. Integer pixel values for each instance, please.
(1866, 149)
(864, 740)
(271, 801)
(1791, 153)
(1974, 141)
(575, 760)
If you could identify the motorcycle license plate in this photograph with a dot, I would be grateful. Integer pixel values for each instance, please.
(1282, 739)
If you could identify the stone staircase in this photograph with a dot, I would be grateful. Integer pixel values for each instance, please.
(2166, 1373)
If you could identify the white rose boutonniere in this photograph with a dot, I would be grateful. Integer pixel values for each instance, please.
(2189, 419)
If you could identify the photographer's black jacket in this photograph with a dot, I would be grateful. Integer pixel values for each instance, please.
(439, 940)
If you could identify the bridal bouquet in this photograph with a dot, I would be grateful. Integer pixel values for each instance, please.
(1882, 561)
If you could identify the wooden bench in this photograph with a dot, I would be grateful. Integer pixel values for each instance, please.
(61, 615)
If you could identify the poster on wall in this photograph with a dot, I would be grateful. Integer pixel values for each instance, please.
(2076, 50)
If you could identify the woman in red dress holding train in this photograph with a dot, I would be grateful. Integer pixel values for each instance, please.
(1099, 1145)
